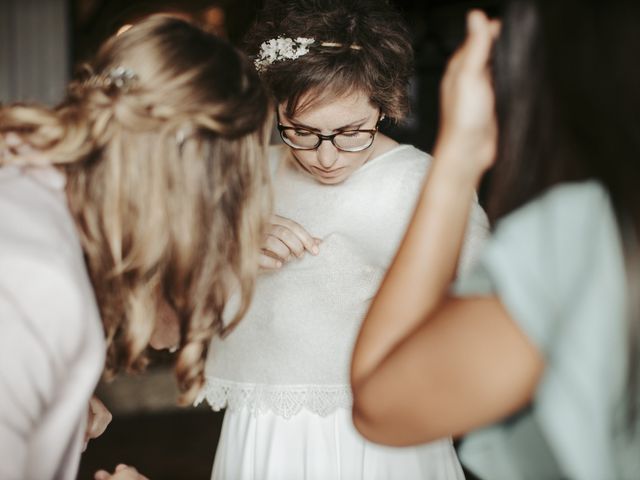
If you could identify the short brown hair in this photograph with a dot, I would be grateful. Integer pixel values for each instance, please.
(380, 65)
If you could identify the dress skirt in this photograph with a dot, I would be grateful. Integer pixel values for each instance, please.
(307, 446)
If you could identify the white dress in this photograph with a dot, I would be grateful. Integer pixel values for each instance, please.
(51, 339)
(283, 373)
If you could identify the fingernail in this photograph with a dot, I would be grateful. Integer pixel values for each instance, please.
(315, 250)
(278, 264)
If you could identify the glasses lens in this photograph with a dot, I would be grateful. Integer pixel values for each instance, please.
(300, 138)
(354, 140)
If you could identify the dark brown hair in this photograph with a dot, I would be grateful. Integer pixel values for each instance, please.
(379, 65)
(566, 76)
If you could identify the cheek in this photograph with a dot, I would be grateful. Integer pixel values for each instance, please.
(356, 160)
(305, 157)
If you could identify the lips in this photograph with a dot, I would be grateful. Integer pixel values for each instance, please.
(328, 173)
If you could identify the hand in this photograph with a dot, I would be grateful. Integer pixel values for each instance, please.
(285, 240)
(122, 472)
(468, 121)
(166, 333)
(98, 420)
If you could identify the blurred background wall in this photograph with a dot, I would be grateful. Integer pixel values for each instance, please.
(35, 49)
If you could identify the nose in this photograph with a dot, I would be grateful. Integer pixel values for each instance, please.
(327, 154)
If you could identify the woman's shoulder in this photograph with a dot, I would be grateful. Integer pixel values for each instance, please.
(403, 164)
(565, 211)
(403, 152)
(557, 266)
(571, 199)
(545, 256)
(576, 195)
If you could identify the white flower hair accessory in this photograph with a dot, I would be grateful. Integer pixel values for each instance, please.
(281, 48)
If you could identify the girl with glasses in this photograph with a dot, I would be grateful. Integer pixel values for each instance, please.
(344, 193)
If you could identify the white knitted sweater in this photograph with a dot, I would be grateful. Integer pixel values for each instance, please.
(292, 349)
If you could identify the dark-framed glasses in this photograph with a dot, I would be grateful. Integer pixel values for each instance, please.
(345, 140)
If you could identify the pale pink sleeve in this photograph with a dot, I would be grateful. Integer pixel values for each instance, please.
(40, 332)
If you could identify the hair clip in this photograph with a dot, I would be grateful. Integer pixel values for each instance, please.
(353, 46)
(281, 48)
(182, 135)
(121, 77)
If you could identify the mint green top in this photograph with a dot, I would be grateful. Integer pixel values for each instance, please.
(557, 266)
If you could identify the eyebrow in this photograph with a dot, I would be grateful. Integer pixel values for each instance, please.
(349, 126)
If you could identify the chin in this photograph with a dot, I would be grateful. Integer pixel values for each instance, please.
(331, 181)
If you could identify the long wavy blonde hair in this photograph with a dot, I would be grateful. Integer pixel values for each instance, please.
(167, 181)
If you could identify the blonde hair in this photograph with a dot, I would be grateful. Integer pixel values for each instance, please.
(167, 182)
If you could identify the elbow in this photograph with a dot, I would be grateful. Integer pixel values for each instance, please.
(370, 419)
(363, 410)
(364, 420)
(378, 413)
(382, 418)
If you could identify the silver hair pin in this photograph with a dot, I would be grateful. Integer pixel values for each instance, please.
(353, 46)
(180, 138)
(121, 77)
(182, 135)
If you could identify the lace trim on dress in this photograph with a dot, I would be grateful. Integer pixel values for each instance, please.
(283, 400)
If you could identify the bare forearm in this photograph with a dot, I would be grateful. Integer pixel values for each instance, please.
(414, 342)
(424, 265)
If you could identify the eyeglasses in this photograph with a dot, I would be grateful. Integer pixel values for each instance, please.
(345, 140)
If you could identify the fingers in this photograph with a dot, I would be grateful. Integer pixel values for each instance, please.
(282, 244)
(286, 239)
(122, 472)
(267, 262)
(98, 418)
(474, 53)
(468, 124)
(101, 418)
(125, 472)
(481, 32)
(300, 233)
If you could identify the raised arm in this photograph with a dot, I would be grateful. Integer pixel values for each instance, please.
(420, 354)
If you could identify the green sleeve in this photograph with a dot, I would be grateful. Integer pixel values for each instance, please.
(557, 267)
